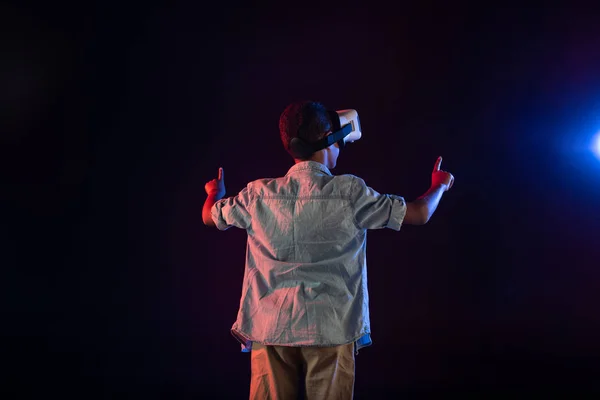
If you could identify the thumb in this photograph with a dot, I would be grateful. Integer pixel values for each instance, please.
(221, 174)
(438, 164)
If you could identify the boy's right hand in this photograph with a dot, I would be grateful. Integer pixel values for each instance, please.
(439, 177)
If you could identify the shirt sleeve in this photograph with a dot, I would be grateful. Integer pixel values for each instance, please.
(373, 210)
(233, 211)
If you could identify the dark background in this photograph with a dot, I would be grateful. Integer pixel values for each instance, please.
(114, 117)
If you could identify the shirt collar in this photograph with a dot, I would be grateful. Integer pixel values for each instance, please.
(309, 165)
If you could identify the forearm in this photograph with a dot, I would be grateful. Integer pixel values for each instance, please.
(430, 200)
(210, 201)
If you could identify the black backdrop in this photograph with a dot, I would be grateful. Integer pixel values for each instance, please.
(116, 115)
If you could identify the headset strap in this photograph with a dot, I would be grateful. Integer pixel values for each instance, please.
(331, 139)
(303, 149)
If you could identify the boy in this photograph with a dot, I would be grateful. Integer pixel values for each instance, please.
(304, 310)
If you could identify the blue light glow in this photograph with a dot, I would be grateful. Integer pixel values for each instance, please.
(596, 145)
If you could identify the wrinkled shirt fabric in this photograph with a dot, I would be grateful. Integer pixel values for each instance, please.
(305, 279)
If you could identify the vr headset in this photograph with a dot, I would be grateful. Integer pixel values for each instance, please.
(345, 129)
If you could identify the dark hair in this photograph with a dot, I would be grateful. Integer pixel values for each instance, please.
(307, 120)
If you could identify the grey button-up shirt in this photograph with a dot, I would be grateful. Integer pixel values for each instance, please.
(305, 281)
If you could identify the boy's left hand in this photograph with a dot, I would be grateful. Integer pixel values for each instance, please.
(216, 186)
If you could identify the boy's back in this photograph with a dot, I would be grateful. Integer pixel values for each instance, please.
(305, 278)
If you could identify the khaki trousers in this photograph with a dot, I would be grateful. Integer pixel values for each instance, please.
(285, 373)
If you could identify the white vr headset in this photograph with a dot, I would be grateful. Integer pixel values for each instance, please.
(345, 129)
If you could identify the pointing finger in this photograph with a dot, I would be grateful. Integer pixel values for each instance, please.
(221, 174)
(438, 164)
